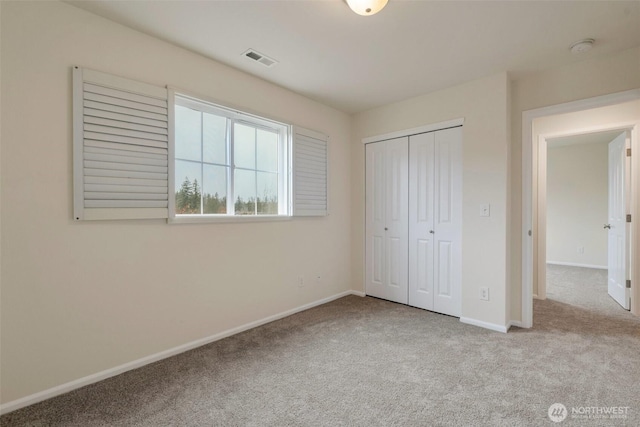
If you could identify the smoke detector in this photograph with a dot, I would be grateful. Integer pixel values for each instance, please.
(582, 46)
(259, 57)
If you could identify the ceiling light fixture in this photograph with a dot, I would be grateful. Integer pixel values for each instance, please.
(366, 7)
(582, 46)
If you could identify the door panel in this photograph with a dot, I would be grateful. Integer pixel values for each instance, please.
(435, 220)
(397, 158)
(617, 232)
(424, 266)
(443, 272)
(448, 226)
(377, 193)
(421, 224)
(386, 219)
(421, 172)
(395, 266)
(377, 260)
(375, 210)
(396, 197)
(444, 180)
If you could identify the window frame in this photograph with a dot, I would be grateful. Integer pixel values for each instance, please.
(233, 115)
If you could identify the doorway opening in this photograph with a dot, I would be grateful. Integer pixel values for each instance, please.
(582, 187)
(619, 111)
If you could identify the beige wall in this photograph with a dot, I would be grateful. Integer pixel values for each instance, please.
(577, 194)
(483, 105)
(581, 80)
(79, 298)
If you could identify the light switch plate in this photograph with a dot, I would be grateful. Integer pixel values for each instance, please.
(485, 209)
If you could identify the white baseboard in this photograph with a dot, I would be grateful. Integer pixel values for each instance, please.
(103, 375)
(358, 293)
(486, 325)
(573, 264)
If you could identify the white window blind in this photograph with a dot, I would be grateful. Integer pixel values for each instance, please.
(310, 177)
(120, 148)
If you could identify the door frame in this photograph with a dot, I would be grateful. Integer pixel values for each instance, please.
(534, 213)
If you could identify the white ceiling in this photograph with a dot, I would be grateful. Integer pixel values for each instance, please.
(355, 63)
(585, 138)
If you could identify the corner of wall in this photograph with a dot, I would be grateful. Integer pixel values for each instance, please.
(509, 214)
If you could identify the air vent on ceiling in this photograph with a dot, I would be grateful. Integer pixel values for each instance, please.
(258, 57)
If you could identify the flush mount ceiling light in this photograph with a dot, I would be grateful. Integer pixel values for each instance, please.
(366, 7)
(582, 46)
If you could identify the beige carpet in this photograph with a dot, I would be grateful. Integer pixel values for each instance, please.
(367, 362)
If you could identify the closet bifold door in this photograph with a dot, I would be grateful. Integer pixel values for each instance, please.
(435, 221)
(421, 223)
(386, 227)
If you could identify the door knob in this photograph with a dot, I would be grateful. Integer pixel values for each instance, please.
(385, 229)
(607, 226)
(431, 231)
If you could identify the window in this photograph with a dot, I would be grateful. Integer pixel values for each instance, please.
(228, 163)
(143, 152)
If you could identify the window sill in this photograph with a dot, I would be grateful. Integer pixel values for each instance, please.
(197, 219)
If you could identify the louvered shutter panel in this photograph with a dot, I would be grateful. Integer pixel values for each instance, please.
(121, 138)
(310, 173)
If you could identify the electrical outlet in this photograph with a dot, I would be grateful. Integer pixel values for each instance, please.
(300, 281)
(485, 209)
(580, 249)
(484, 293)
(318, 279)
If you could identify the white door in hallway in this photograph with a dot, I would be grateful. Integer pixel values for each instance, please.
(386, 225)
(435, 221)
(618, 246)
